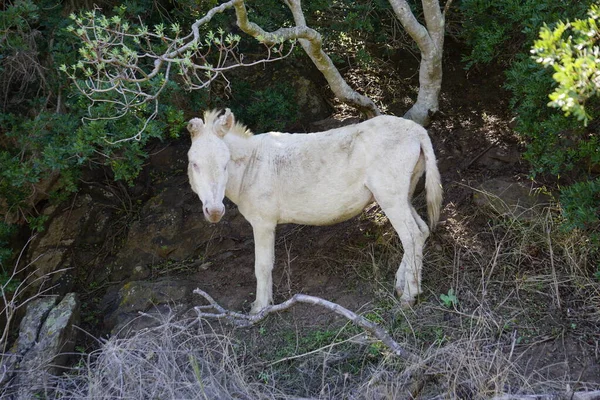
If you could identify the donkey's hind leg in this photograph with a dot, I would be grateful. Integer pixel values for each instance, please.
(412, 233)
(414, 180)
(408, 276)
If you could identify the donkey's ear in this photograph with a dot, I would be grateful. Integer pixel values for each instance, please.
(195, 127)
(224, 123)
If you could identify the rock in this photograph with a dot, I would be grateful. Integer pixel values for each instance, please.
(511, 198)
(311, 105)
(52, 251)
(46, 340)
(56, 336)
(37, 311)
(122, 308)
(172, 227)
(500, 157)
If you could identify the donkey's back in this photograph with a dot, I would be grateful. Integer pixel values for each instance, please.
(323, 178)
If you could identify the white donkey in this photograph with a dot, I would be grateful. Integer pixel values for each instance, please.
(316, 179)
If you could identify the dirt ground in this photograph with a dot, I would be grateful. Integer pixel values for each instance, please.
(515, 301)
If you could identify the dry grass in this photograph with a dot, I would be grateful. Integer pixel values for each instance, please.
(526, 295)
(174, 360)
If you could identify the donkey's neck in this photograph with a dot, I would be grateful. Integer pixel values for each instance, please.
(243, 152)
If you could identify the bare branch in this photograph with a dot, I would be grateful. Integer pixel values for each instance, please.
(430, 39)
(447, 7)
(281, 34)
(312, 43)
(244, 320)
(128, 67)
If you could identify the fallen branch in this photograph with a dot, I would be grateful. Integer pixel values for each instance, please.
(245, 320)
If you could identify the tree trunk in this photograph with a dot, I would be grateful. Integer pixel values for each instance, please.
(430, 40)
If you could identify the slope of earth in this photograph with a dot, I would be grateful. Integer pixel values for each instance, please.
(509, 303)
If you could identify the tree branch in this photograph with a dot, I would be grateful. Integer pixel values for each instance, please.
(128, 66)
(447, 7)
(312, 43)
(410, 23)
(430, 40)
(245, 320)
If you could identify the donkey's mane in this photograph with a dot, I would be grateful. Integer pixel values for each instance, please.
(210, 116)
(238, 128)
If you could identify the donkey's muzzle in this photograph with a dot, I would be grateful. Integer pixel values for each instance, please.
(213, 215)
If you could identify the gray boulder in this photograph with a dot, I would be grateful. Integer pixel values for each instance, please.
(509, 197)
(140, 304)
(46, 340)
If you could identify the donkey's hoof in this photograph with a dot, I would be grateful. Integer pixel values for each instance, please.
(400, 291)
(405, 300)
(257, 307)
(407, 303)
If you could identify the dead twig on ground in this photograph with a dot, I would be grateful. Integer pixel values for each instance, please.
(245, 320)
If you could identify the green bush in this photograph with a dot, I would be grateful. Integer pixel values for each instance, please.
(571, 49)
(44, 135)
(497, 31)
(581, 205)
(270, 109)
(556, 144)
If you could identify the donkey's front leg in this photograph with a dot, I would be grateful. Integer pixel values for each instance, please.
(264, 255)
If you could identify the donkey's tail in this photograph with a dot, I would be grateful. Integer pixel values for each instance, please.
(433, 182)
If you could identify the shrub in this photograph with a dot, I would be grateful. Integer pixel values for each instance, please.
(270, 109)
(43, 134)
(581, 206)
(571, 50)
(556, 144)
(513, 27)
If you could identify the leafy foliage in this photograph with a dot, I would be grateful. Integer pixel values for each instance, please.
(557, 145)
(581, 206)
(128, 65)
(450, 299)
(571, 49)
(511, 29)
(44, 138)
(554, 141)
(269, 109)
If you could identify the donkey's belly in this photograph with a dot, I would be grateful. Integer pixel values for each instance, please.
(324, 208)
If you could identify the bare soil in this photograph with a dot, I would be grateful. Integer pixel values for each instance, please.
(544, 323)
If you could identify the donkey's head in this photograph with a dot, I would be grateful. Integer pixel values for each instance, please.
(208, 158)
